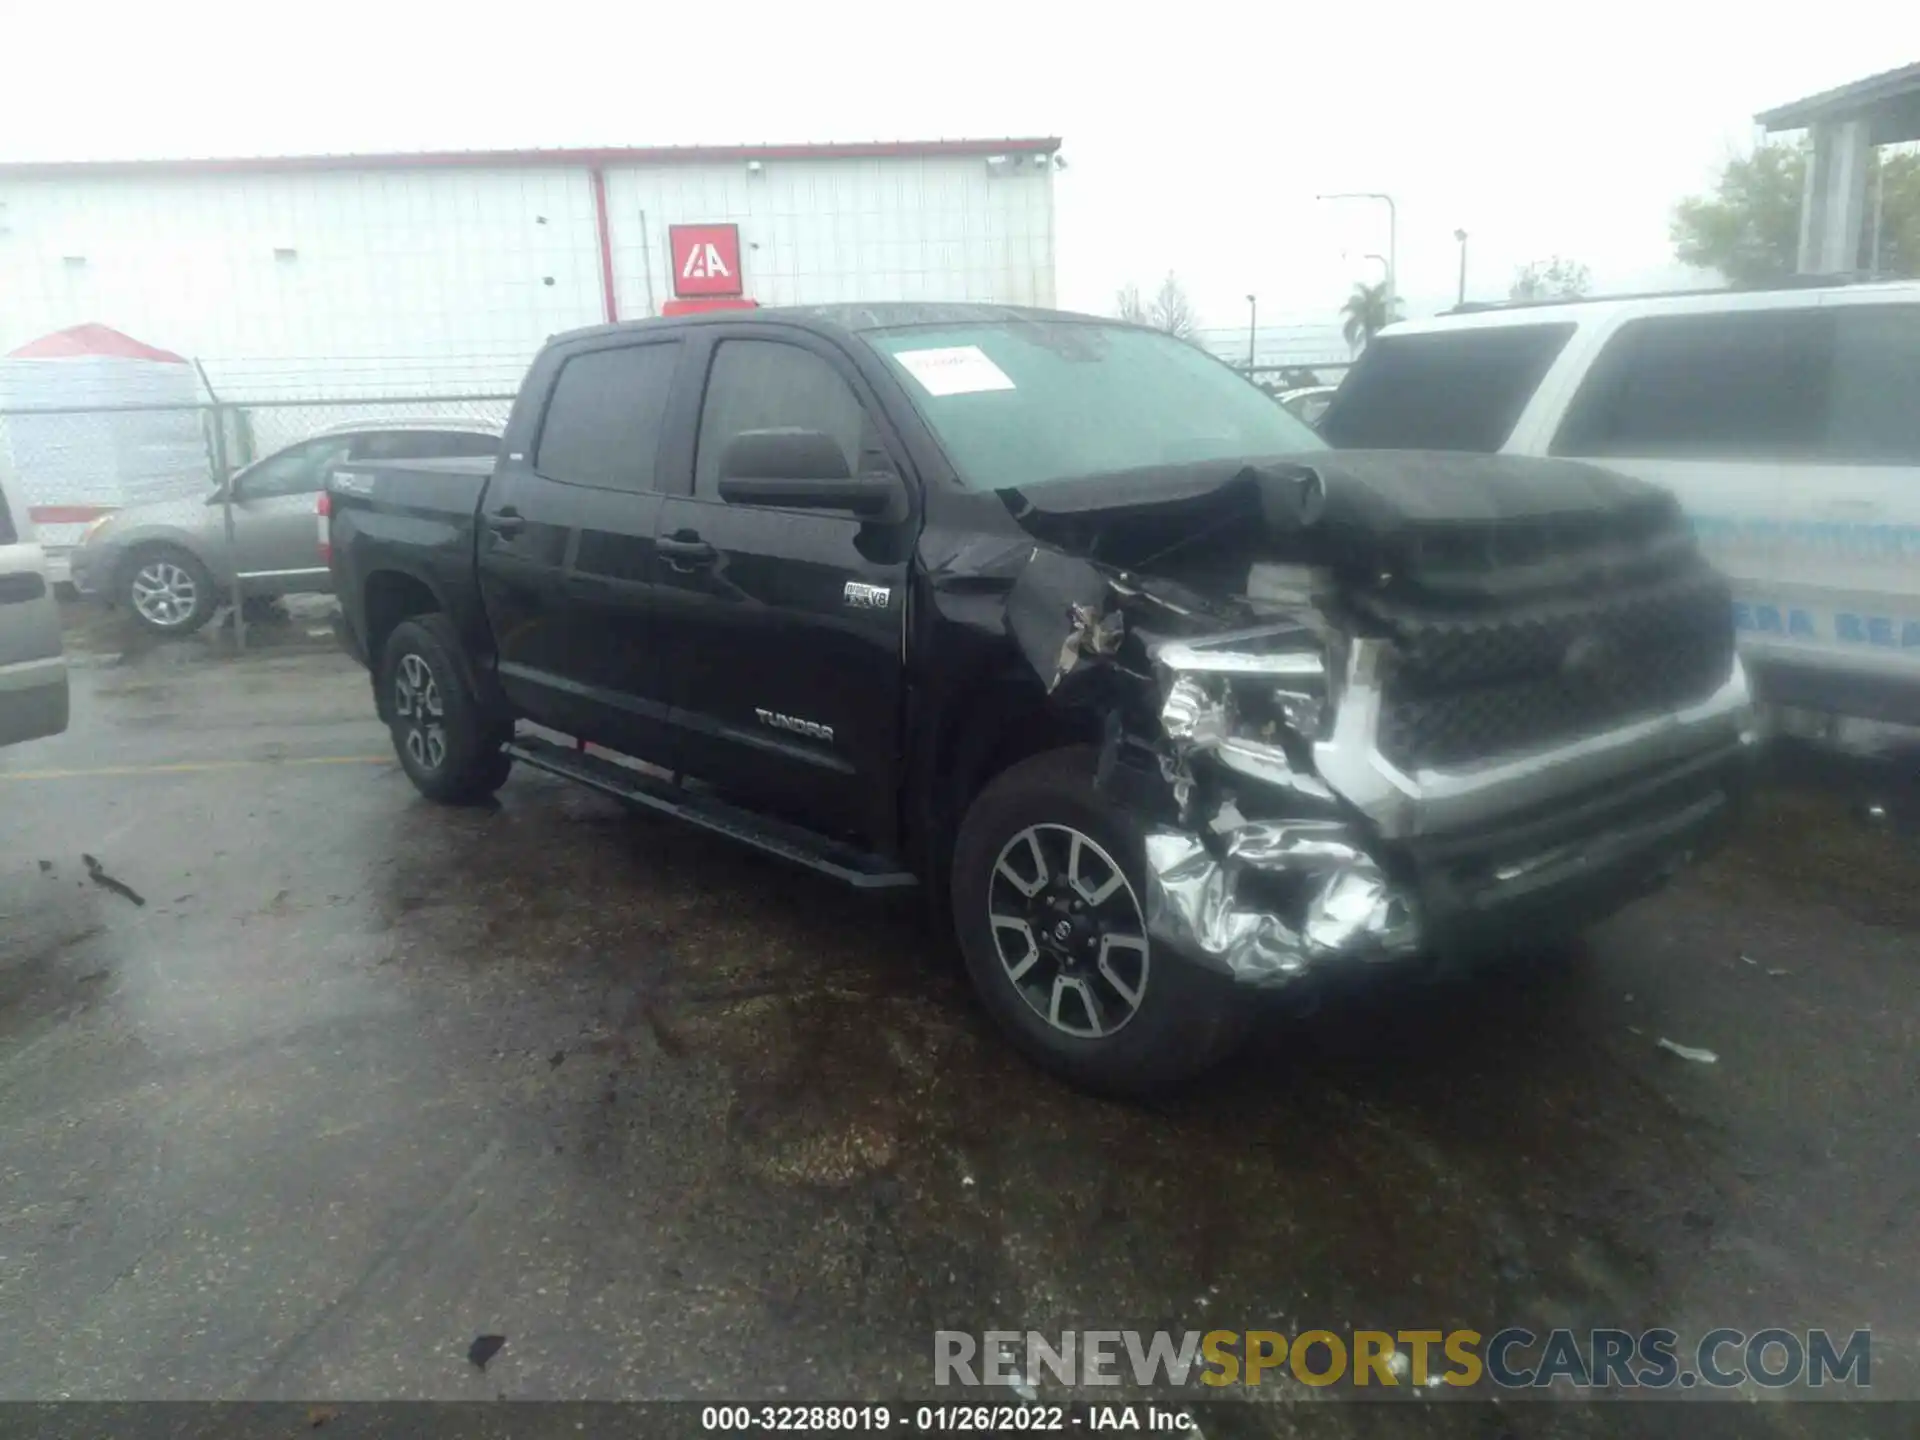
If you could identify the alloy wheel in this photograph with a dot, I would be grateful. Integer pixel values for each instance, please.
(164, 593)
(418, 710)
(1069, 930)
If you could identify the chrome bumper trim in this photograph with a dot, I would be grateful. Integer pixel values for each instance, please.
(1432, 801)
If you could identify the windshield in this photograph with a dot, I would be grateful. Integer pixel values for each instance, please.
(1018, 403)
(1447, 390)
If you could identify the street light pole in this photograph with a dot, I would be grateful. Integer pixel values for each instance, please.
(1253, 329)
(1461, 236)
(1393, 235)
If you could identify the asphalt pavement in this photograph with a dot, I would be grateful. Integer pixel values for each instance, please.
(306, 1083)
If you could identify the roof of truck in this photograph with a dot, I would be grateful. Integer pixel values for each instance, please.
(854, 318)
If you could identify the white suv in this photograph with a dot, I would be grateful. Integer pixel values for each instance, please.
(1786, 421)
(33, 670)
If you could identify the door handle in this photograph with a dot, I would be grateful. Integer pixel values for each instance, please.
(506, 522)
(685, 552)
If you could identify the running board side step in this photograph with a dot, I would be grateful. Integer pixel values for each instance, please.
(772, 837)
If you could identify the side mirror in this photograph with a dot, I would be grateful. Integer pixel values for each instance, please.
(802, 470)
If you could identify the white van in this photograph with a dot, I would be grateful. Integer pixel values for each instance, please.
(1786, 421)
(33, 669)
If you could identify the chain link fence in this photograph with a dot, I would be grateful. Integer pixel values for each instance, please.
(1277, 379)
(70, 464)
(67, 466)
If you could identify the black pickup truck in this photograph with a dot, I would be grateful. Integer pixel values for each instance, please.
(1162, 701)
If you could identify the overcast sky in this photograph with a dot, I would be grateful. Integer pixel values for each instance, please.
(1195, 141)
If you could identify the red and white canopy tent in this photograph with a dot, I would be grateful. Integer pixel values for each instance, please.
(80, 431)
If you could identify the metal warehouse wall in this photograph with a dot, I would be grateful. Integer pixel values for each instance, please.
(816, 231)
(422, 279)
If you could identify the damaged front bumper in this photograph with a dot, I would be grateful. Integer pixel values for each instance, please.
(1357, 863)
(1268, 902)
(1279, 842)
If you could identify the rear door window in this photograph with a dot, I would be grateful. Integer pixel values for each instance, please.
(603, 423)
(1874, 409)
(1734, 386)
(1445, 390)
(300, 471)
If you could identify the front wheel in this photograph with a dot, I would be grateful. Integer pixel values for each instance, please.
(168, 590)
(1049, 906)
(442, 736)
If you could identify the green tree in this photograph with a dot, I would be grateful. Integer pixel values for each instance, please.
(1748, 228)
(1367, 312)
(1554, 279)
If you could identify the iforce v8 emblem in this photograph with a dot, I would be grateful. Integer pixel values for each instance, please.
(862, 596)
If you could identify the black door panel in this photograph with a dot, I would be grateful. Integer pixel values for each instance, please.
(526, 528)
(786, 689)
(783, 689)
(566, 545)
(610, 649)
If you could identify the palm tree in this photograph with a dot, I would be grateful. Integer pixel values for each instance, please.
(1368, 311)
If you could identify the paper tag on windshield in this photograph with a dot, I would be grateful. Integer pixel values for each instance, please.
(954, 370)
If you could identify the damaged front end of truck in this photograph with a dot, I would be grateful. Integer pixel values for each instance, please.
(1368, 708)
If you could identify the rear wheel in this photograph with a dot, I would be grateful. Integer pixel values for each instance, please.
(1049, 905)
(446, 743)
(167, 590)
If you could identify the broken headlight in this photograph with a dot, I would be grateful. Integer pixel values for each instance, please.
(1255, 700)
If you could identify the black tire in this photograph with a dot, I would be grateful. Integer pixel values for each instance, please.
(1185, 1020)
(447, 744)
(166, 589)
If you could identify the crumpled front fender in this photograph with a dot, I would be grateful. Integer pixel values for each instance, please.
(1265, 899)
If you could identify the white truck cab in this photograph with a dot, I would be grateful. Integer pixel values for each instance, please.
(1787, 422)
(33, 669)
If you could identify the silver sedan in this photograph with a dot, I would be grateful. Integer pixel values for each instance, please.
(169, 562)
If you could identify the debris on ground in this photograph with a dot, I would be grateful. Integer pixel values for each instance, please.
(483, 1349)
(97, 873)
(556, 1058)
(1688, 1052)
(318, 1415)
(46, 867)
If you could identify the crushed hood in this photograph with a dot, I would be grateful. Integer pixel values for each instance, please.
(1410, 513)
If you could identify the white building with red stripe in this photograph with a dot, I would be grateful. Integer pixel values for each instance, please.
(340, 275)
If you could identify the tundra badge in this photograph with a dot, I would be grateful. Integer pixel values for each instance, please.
(862, 596)
(809, 728)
